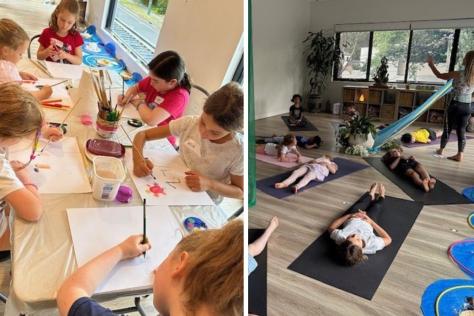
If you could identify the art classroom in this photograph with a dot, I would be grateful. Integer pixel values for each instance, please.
(122, 157)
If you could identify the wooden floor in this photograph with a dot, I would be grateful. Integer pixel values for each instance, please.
(421, 260)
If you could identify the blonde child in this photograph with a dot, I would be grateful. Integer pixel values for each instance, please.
(61, 42)
(13, 44)
(459, 110)
(20, 118)
(281, 150)
(166, 91)
(211, 144)
(317, 169)
(203, 275)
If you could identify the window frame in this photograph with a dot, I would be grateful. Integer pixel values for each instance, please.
(452, 61)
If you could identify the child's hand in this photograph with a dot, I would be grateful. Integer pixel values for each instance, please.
(51, 133)
(20, 171)
(27, 76)
(142, 168)
(63, 55)
(46, 91)
(196, 182)
(51, 51)
(132, 247)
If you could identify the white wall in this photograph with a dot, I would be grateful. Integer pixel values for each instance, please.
(279, 27)
(324, 15)
(206, 33)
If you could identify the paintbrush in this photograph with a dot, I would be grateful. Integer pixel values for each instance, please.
(135, 148)
(58, 83)
(145, 239)
(64, 120)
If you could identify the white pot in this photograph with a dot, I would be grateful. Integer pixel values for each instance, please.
(365, 140)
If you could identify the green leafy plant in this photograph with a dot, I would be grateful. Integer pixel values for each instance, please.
(358, 125)
(321, 53)
(357, 150)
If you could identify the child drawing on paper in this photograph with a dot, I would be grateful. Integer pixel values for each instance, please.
(211, 145)
(185, 283)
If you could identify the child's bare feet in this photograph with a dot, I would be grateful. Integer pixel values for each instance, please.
(273, 224)
(425, 185)
(294, 189)
(280, 185)
(432, 183)
(372, 190)
(439, 151)
(381, 191)
(458, 157)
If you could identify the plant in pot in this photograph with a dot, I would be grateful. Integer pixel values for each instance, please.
(321, 53)
(381, 76)
(359, 131)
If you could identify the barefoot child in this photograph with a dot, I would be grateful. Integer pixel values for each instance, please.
(317, 169)
(357, 234)
(296, 112)
(203, 275)
(211, 145)
(281, 150)
(422, 135)
(166, 90)
(301, 141)
(13, 44)
(61, 42)
(410, 168)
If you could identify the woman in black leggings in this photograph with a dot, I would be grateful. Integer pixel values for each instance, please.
(459, 110)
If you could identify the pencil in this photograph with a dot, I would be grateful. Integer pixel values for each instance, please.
(145, 240)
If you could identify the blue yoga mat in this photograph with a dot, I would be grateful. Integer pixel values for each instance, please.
(446, 297)
(469, 193)
(462, 254)
(345, 167)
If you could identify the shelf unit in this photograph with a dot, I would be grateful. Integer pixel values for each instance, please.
(390, 104)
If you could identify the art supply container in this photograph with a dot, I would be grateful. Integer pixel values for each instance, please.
(108, 175)
(104, 128)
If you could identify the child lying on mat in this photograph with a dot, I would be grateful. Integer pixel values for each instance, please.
(410, 168)
(317, 169)
(301, 141)
(258, 245)
(422, 135)
(354, 234)
(296, 112)
(281, 150)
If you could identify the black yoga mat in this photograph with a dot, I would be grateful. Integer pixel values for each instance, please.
(452, 138)
(345, 167)
(258, 279)
(308, 126)
(319, 261)
(441, 195)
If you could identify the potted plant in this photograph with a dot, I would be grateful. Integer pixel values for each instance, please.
(357, 131)
(321, 53)
(381, 76)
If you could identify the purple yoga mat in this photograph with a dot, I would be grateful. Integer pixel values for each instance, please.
(452, 138)
(345, 167)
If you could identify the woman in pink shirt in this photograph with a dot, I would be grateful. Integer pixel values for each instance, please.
(164, 94)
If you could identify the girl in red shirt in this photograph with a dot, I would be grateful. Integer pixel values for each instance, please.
(165, 92)
(61, 42)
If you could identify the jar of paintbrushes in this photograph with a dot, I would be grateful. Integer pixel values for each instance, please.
(108, 117)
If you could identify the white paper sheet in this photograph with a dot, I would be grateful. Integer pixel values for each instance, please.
(66, 71)
(169, 172)
(95, 230)
(59, 91)
(66, 172)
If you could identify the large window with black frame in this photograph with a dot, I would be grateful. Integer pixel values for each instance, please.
(406, 52)
(136, 24)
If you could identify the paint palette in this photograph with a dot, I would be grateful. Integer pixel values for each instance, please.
(193, 224)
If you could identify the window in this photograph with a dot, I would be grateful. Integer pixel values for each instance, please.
(136, 24)
(406, 50)
(437, 43)
(394, 46)
(355, 49)
(466, 43)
